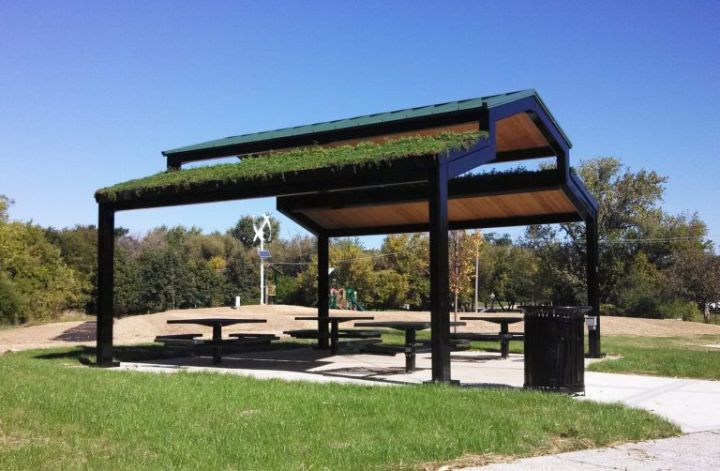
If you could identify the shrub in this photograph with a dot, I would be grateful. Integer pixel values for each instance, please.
(608, 310)
(679, 309)
(645, 306)
(10, 306)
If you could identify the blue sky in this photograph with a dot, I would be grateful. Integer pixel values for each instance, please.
(91, 92)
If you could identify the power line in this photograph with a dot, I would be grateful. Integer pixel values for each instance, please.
(364, 257)
(665, 240)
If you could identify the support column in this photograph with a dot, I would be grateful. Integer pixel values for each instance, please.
(323, 289)
(105, 275)
(593, 283)
(439, 276)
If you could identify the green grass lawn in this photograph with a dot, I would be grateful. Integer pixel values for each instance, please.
(57, 414)
(662, 356)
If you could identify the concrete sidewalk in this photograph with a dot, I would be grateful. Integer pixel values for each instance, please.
(692, 404)
(696, 451)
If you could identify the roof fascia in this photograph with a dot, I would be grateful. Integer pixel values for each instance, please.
(535, 108)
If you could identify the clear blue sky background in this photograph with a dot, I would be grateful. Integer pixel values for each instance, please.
(92, 91)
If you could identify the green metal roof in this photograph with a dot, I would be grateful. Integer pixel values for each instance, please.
(378, 118)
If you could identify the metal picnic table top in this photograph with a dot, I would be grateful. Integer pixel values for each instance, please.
(213, 321)
(333, 318)
(403, 325)
(494, 319)
(217, 324)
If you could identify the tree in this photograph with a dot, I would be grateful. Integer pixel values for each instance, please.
(42, 285)
(695, 275)
(637, 242)
(78, 249)
(462, 249)
(408, 256)
(5, 203)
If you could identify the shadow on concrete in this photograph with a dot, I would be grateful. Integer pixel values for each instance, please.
(284, 356)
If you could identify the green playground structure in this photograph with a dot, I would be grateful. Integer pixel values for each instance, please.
(345, 298)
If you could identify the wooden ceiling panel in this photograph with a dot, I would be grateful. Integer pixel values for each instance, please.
(459, 209)
(518, 132)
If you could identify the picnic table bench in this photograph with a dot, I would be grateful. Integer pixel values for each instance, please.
(217, 342)
(364, 335)
(504, 336)
(411, 346)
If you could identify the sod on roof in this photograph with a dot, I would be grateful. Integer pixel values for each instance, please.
(273, 164)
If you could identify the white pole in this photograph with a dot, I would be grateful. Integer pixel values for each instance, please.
(477, 261)
(262, 272)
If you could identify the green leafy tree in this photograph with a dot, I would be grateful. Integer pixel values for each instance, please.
(695, 275)
(408, 256)
(32, 269)
(637, 242)
(5, 203)
(78, 249)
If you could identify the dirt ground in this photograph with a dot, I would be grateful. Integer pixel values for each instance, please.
(144, 328)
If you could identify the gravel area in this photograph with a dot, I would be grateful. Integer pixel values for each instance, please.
(144, 328)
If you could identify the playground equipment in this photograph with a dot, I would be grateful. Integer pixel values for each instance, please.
(345, 298)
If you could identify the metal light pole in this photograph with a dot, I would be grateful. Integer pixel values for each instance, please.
(477, 262)
(260, 235)
(262, 272)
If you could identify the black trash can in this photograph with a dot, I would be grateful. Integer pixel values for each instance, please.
(554, 348)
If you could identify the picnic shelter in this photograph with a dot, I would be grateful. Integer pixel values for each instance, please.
(411, 170)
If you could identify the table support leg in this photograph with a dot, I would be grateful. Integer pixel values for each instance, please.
(334, 336)
(217, 344)
(409, 350)
(504, 341)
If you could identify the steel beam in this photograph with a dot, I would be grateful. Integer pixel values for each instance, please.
(593, 288)
(105, 275)
(439, 274)
(459, 225)
(323, 290)
(463, 187)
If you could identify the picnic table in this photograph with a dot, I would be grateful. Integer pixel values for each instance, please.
(504, 336)
(334, 326)
(217, 323)
(410, 347)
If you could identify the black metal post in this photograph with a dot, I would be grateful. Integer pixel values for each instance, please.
(323, 289)
(106, 256)
(334, 336)
(410, 341)
(504, 340)
(217, 344)
(593, 284)
(439, 276)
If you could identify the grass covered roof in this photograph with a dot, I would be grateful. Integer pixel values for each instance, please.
(273, 164)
